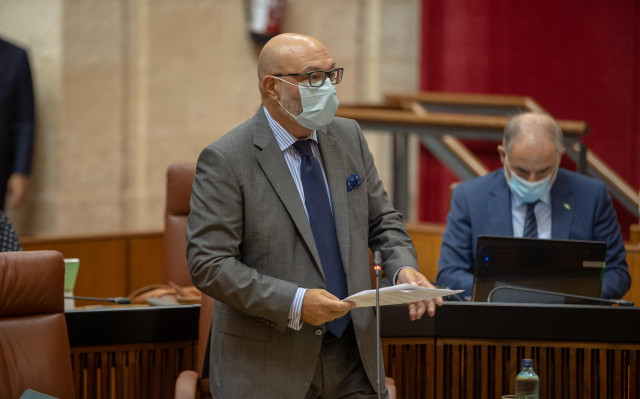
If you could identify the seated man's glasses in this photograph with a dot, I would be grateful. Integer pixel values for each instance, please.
(317, 78)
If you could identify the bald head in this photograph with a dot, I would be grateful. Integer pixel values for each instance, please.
(284, 53)
(534, 128)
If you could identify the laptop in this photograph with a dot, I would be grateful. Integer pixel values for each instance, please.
(526, 270)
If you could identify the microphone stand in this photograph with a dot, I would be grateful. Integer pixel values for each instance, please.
(376, 267)
(600, 301)
(118, 300)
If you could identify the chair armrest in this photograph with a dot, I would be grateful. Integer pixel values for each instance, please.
(391, 387)
(187, 385)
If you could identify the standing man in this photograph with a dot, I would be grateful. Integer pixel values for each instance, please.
(16, 123)
(283, 211)
(531, 197)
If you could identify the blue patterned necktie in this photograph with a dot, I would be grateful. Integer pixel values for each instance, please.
(530, 224)
(323, 228)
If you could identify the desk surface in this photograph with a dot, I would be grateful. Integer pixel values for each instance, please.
(129, 325)
(132, 325)
(517, 321)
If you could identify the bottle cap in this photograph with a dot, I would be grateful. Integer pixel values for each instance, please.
(527, 362)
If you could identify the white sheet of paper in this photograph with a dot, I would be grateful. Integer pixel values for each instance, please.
(397, 294)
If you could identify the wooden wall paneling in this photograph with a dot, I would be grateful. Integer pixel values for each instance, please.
(634, 236)
(103, 263)
(145, 260)
(111, 264)
(121, 263)
(427, 238)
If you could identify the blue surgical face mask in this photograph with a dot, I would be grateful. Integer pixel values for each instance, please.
(319, 105)
(528, 191)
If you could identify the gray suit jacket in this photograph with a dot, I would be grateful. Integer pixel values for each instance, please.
(250, 246)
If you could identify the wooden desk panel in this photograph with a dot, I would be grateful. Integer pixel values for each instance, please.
(130, 371)
(474, 350)
(469, 368)
(131, 352)
(633, 261)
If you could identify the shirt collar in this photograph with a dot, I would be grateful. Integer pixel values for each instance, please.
(283, 137)
(517, 202)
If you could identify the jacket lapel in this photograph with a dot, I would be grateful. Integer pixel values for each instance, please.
(500, 207)
(335, 170)
(562, 205)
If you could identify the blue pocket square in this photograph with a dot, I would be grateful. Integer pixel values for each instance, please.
(353, 181)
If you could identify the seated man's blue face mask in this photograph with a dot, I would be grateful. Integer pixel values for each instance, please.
(527, 190)
(319, 104)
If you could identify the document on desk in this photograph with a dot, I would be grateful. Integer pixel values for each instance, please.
(398, 294)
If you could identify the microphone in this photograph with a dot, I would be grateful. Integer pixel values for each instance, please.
(600, 301)
(376, 267)
(119, 300)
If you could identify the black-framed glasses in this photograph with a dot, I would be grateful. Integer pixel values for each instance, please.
(317, 78)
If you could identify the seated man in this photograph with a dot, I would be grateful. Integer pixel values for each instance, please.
(531, 197)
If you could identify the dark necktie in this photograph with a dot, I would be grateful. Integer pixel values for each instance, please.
(323, 228)
(530, 224)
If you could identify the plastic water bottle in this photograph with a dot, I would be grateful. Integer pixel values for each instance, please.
(527, 382)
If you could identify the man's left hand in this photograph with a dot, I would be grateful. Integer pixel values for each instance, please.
(409, 275)
(16, 189)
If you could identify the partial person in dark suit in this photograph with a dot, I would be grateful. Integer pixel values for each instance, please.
(16, 123)
(279, 327)
(564, 205)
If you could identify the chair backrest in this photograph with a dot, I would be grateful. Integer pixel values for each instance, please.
(34, 345)
(179, 180)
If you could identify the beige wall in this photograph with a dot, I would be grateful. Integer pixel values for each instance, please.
(125, 88)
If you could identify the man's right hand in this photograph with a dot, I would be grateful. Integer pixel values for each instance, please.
(320, 306)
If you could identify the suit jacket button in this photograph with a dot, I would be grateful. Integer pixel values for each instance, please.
(318, 331)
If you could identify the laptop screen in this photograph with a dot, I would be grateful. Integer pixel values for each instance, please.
(509, 269)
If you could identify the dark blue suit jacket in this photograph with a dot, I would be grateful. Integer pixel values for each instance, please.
(16, 114)
(581, 209)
